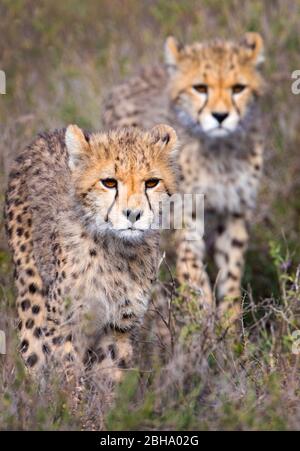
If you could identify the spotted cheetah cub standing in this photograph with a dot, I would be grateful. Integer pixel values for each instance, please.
(208, 92)
(80, 212)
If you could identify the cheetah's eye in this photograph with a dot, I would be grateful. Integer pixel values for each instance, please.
(236, 89)
(152, 183)
(202, 88)
(109, 183)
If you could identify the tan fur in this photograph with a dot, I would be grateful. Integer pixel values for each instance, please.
(209, 93)
(220, 66)
(84, 284)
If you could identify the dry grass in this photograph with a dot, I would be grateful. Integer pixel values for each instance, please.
(60, 58)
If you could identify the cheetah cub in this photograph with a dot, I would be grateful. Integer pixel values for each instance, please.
(208, 92)
(80, 211)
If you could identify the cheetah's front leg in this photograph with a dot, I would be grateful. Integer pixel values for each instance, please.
(190, 268)
(230, 247)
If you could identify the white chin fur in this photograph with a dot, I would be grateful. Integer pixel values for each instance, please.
(130, 234)
(218, 132)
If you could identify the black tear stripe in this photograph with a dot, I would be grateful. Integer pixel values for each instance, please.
(113, 203)
(148, 200)
(236, 107)
(178, 95)
(203, 106)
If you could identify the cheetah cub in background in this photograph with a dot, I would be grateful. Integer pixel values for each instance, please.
(80, 211)
(208, 93)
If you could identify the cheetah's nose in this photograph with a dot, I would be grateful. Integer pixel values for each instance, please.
(132, 215)
(220, 116)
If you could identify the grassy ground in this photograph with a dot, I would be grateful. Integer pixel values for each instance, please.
(59, 59)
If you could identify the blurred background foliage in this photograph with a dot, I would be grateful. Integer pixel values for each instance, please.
(61, 57)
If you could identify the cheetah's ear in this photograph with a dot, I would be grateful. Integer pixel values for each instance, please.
(77, 145)
(254, 46)
(164, 138)
(172, 54)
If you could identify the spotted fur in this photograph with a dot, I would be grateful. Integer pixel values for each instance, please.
(209, 93)
(83, 283)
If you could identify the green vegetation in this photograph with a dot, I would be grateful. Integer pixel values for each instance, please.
(60, 58)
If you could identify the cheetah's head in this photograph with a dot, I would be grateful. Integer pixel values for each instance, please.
(212, 85)
(122, 177)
